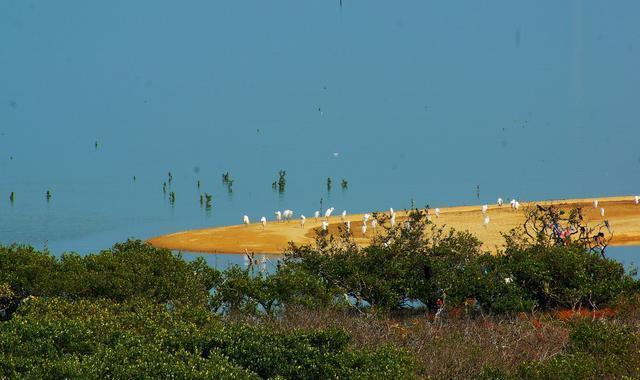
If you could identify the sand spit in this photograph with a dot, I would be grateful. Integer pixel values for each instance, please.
(621, 212)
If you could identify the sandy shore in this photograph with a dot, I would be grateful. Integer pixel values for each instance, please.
(621, 212)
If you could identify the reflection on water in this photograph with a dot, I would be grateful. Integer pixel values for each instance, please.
(262, 263)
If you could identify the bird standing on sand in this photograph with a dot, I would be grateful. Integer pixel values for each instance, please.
(637, 199)
(316, 215)
(602, 211)
(485, 208)
(365, 218)
(486, 220)
(327, 213)
(500, 202)
(595, 204)
(245, 220)
(287, 214)
(437, 212)
(302, 220)
(263, 220)
(278, 215)
(393, 219)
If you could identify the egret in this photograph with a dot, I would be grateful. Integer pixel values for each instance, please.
(302, 220)
(316, 215)
(327, 213)
(344, 215)
(485, 208)
(364, 229)
(348, 224)
(391, 211)
(393, 220)
(263, 220)
(602, 211)
(278, 215)
(324, 225)
(513, 203)
(374, 223)
(245, 220)
(516, 205)
(486, 220)
(365, 218)
(595, 204)
(437, 212)
(287, 214)
(637, 199)
(500, 202)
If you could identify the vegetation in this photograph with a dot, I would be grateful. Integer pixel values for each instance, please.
(419, 302)
(282, 181)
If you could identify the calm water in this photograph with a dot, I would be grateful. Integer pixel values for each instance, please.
(420, 100)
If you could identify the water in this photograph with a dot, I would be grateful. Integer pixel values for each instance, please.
(421, 100)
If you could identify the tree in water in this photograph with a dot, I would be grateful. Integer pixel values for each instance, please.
(282, 180)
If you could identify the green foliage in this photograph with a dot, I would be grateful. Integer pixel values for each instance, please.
(128, 270)
(238, 290)
(416, 261)
(596, 350)
(57, 338)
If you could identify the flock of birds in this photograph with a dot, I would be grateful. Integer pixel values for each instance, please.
(287, 216)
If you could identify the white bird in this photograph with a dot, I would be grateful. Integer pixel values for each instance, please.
(500, 202)
(344, 215)
(374, 223)
(484, 209)
(601, 211)
(324, 225)
(263, 220)
(364, 229)
(348, 223)
(595, 204)
(516, 205)
(302, 220)
(437, 212)
(287, 214)
(328, 212)
(486, 220)
(365, 218)
(316, 215)
(512, 203)
(245, 219)
(278, 215)
(393, 220)
(637, 199)
(391, 211)
(508, 280)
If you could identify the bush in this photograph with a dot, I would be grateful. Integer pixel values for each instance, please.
(128, 270)
(58, 338)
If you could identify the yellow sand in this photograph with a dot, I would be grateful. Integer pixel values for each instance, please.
(621, 212)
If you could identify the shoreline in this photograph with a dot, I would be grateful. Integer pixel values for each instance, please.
(621, 212)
